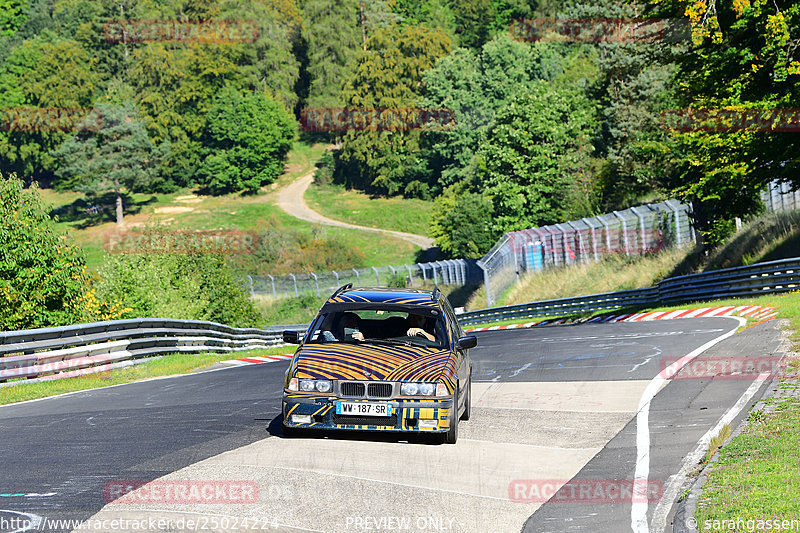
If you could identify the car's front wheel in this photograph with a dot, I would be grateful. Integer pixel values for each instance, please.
(452, 434)
(468, 401)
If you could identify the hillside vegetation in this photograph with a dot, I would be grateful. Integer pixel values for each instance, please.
(542, 125)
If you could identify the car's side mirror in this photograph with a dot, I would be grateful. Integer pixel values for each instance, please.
(291, 337)
(468, 341)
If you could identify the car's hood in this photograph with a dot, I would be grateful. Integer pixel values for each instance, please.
(373, 362)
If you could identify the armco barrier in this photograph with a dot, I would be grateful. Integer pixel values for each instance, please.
(52, 353)
(738, 282)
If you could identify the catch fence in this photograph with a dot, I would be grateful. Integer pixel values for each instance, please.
(634, 231)
(450, 272)
(779, 196)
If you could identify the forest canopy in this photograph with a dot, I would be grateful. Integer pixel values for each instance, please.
(549, 125)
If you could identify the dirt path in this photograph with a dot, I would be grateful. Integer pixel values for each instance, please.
(291, 200)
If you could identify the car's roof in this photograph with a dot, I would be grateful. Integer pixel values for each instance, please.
(385, 295)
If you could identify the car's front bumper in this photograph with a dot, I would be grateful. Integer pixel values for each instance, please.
(407, 414)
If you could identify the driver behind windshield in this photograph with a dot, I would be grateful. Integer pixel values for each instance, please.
(416, 327)
(347, 328)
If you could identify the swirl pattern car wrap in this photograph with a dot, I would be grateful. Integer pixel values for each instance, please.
(391, 363)
(423, 300)
(384, 359)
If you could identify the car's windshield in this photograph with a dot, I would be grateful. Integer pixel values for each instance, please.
(379, 326)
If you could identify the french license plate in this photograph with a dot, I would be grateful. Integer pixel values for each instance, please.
(363, 409)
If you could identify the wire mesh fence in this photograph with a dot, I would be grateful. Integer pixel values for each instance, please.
(779, 196)
(450, 272)
(634, 231)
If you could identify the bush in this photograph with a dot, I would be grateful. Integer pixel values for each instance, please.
(246, 138)
(282, 249)
(192, 286)
(323, 175)
(462, 225)
(298, 310)
(43, 277)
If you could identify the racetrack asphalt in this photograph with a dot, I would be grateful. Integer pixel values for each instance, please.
(551, 405)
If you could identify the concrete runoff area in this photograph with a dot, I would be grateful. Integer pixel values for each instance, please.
(462, 486)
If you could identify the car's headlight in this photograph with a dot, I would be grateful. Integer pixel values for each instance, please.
(417, 389)
(319, 385)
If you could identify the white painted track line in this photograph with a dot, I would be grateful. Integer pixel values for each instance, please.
(639, 504)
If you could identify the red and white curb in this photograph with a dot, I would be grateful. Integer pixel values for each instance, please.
(755, 312)
(258, 360)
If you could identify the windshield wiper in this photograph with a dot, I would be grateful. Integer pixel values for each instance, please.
(394, 342)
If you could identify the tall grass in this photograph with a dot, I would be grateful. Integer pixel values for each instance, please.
(770, 236)
(614, 273)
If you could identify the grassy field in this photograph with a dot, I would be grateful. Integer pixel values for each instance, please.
(354, 207)
(168, 365)
(757, 476)
(187, 210)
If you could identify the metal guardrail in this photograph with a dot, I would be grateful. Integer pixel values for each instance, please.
(751, 280)
(67, 351)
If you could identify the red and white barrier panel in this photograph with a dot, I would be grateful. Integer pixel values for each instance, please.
(258, 360)
(756, 312)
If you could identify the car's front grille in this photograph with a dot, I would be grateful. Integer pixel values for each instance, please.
(352, 389)
(379, 390)
(342, 420)
(365, 389)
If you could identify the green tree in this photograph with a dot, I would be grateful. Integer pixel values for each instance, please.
(12, 15)
(333, 36)
(43, 278)
(462, 225)
(118, 155)
(388, 75)
(174, 88)
(246, 137)
(41, 75)
(539, 144)
(744, 56)
(475, 86)
(477, 21)
(270, 63)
